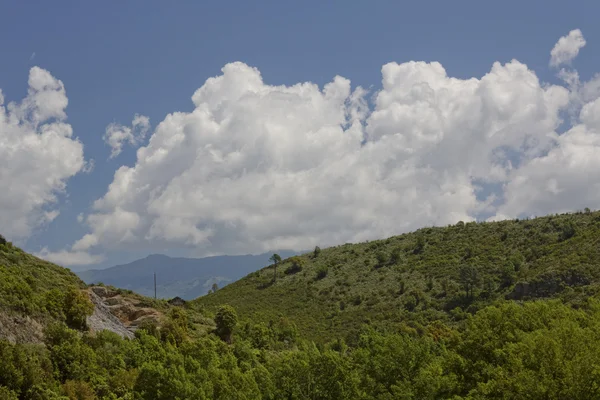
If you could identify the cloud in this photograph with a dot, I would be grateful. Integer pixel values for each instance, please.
(567, 48)
(116, 134)
(256, 167)
(38, 154)
(68, 258)
(566, 178)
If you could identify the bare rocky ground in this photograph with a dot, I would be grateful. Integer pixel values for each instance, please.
(20, 329)
(117, 313)
(112, 311)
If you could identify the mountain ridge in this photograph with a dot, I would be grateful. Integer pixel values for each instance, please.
(183, 277)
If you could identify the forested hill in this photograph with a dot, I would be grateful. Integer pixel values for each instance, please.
(433, 274)
(459, 313)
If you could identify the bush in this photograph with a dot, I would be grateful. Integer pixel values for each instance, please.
(7, 394)
(396, 255)
(297, 265)
(382, 258)
(226, 320)
(410, 302)
(322, 272)
(78, 307)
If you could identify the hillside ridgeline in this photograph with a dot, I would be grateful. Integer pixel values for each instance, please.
(433, 274)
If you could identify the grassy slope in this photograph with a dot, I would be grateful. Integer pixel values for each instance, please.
(544, 257)
(25, 279)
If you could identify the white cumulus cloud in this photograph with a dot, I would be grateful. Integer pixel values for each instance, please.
(255, 166)
(68, 258)
(116, 134)
(38, 154)
(567, 48)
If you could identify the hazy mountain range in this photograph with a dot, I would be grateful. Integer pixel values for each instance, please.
(187, 278)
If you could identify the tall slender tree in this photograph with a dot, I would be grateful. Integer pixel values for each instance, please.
(275, 259)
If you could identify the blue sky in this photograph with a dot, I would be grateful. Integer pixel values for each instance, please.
(122, 58)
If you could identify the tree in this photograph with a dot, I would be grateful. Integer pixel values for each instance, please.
(226, 319)
(469, 279)
(215, 287)
(382, 258)
(7, 394)
(322, 272)
(316, 252)
(396, 255)
(275, 259)
(419, 246)
(78, 307)
(78, 390)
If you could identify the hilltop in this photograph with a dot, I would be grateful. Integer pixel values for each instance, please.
(433, 274)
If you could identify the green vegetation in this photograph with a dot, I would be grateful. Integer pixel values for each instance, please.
(473, 311)
(540, 350)
(39, 289)
(433, 274)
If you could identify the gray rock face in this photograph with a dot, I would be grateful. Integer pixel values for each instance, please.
(103, 319)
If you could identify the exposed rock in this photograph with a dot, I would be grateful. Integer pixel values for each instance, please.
(20, 329)
(103, 319)
(100, 291)
(130, 312)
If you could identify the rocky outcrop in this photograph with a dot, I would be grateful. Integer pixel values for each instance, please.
(20, 329)
(119, 313)
(103, 319)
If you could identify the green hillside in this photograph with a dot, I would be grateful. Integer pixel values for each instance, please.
(32, 287)
(469, 312)
(433, 274)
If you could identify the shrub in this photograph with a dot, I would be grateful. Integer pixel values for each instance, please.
(410, 302)
(382, 258)
(78, 307)
(322, 272)
(297, 265)
(226, 319)
(7, 394)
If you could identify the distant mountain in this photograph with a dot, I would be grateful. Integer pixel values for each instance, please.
(187, 278)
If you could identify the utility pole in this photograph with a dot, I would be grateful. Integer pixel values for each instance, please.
(155, 285)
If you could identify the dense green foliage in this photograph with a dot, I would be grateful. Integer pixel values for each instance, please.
(539, 349)
(473, 311)
(39, 289)
(433, 274)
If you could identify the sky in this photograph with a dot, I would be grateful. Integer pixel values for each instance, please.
(205, 128)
